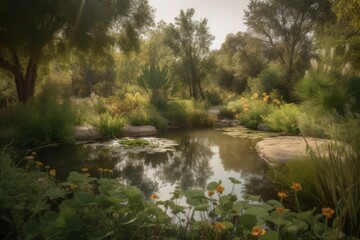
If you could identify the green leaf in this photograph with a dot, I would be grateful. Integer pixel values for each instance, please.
(248, 221)
(234, 180)
(274, 203)
(55, 192)
(257, 211)
(292, 229)
(194, 193)
(79, 178)
(228, 225)
(269, 235)
(212, 186)
(48, 216)
(31, 228)
(252, 197)
(84, 197)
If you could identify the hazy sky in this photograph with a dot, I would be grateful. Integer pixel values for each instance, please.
(224, 16)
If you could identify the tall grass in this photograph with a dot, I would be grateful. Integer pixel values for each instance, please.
(284, 119)
(332, 174)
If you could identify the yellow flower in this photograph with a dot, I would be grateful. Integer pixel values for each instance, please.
(219, 226)
(38, 163)
(210, 193)
(101, 169)
(327, 212)
(296, 186)
(110, 171)
(246, 109)
(52, 172)
(73, 187)
(282, 195)
(47, 167)
(220, 189)
(280, 209)
(84, 170)
(264, 94)
(154, 196)
(255, 95)
(257, 231)
(266, 98)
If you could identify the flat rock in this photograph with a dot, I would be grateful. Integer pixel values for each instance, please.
(86, 133)
(285, 148)
(139, 131)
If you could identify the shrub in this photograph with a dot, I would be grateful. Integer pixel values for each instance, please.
(44, 120)
(147, 115)
(157, 84)
(109, 125)
(187, 113)
(284, 119)
(249, 110)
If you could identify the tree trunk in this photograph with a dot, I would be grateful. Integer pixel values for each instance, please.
(25, 84)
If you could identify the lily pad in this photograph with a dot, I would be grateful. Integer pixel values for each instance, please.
(243, 132)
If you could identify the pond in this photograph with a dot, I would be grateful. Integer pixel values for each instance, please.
(178, 158)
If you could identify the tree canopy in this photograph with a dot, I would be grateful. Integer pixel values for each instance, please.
(190, 41)
(31, 29)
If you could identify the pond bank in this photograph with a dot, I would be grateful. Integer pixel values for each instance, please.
(284, 148)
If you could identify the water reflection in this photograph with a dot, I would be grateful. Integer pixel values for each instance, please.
(199, 158)
(189, 166)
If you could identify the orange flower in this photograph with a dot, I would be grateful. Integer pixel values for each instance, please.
(210, 193)
(257, 231)
(296, 186)
(327, 212)
(220, 189)
(219, 226)
(154, 196)
(282, 195)
(280, 209)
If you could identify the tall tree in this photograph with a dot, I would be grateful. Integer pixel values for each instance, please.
(241, 56)
(190, 41)
(286, 26)
(31, 29)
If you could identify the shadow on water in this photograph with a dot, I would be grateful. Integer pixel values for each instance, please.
(200, 157)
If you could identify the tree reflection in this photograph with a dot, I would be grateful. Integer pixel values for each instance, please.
(189, 166)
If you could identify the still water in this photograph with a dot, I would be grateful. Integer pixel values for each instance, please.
(187, 159)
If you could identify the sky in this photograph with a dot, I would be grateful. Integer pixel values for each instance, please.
(224, 16)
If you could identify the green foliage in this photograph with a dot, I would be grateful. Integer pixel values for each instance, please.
(186, 113)
(41, 121)
(190, 41)
(158, 84)
(147, 115)
(109, 125)
(33, 206)
(331, 174)
(328, 88)
(251, 109)
(64, 29)
(284, 119)
(270, 78)
(224, 216)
